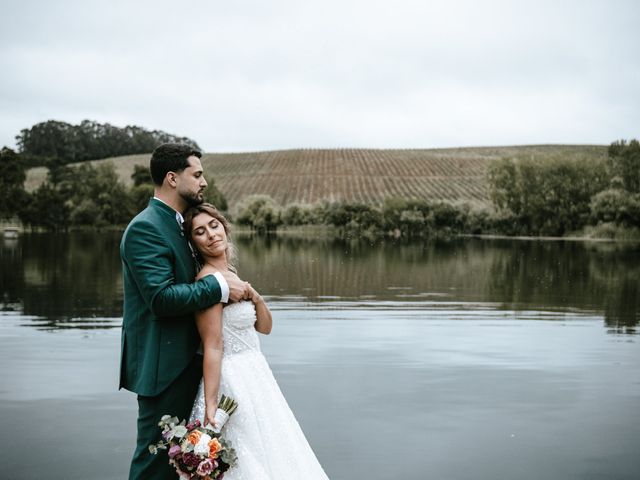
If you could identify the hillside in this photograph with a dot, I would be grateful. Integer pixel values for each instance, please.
(353, 175)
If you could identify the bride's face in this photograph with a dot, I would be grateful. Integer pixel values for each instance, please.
(208, 235)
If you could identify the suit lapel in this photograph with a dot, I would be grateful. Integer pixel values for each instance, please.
(186, 265)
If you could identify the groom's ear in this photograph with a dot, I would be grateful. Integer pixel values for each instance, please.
(171, 179)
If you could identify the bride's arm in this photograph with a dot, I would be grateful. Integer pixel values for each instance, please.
(209, 323)
(263, 314)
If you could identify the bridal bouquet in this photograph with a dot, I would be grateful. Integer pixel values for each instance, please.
(197, 452)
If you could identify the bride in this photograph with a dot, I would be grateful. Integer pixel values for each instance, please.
(264, 432)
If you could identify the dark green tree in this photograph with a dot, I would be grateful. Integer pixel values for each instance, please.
(51, 139)
(142, 189)
(505, 192)
(214, 196)
(624, 162)
(46, 208)
(140, 196)
(88, 141)
(546, 196)
(13, 197)
(100, 198)
(82, 195)
(141, 175)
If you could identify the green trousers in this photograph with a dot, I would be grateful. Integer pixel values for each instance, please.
(176, 400)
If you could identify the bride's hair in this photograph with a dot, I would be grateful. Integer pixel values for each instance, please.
(209, 209)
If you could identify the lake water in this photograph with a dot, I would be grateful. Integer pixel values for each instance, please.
(469, 359)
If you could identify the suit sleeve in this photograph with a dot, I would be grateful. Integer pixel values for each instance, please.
(149, 258)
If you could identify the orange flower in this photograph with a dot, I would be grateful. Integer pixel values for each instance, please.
(214, 448)
(194, 437)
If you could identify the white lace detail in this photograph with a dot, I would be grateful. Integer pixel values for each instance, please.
(238, 331)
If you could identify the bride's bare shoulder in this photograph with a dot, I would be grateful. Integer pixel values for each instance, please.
(206, 270)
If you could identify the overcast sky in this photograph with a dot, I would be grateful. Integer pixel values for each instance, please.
(271, 74)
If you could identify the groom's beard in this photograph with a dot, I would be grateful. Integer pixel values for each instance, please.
(193, 199)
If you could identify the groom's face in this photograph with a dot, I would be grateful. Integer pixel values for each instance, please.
(191, 182)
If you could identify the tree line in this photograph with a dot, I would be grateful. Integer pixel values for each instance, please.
(530, 196)
(54, 141)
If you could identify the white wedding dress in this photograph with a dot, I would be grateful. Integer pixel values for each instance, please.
(266, 436)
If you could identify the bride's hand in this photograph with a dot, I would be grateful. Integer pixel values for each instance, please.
(254, 296)
(210, 416)
(238, 289)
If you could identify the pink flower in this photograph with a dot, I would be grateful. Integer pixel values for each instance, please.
(205, 467)
(193, 425)
(175, 450)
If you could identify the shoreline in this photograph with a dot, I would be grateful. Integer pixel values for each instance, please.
(549, 239)
(313, 235)
(328, 232)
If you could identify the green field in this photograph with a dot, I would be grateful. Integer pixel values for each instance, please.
(354, 175)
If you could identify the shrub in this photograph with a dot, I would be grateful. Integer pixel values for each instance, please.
(296, 214)
(85, 213)
(478, 221)
(260, 213)
(353, 218)
(616, 205)
(445, 215)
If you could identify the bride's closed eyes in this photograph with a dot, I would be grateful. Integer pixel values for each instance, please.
(201, 230)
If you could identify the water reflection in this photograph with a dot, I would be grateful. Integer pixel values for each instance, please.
(74, 280)
(61, 276)
(571, 274)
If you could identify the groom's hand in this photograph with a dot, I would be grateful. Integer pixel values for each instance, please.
(238, 290)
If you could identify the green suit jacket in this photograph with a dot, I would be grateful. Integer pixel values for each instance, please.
(159, 335)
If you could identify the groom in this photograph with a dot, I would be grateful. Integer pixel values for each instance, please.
(159, 336)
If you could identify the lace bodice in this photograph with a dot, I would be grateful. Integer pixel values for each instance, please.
(238, 331)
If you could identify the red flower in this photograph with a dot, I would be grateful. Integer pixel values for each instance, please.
(190, 459)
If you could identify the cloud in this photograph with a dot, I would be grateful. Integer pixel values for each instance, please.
(284, 74)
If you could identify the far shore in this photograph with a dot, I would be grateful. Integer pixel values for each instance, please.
(331, 232)
(571, 238)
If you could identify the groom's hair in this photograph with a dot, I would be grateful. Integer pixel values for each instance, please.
(170, 157)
